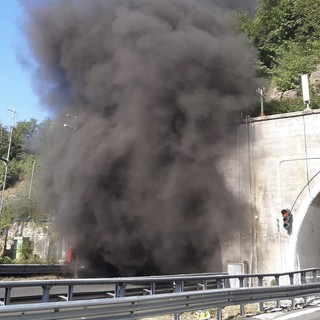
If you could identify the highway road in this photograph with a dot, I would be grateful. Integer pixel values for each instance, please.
(308, 313)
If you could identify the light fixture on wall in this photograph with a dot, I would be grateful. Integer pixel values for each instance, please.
(305, 91)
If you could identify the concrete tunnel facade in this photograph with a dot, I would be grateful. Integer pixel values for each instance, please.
(277, 166)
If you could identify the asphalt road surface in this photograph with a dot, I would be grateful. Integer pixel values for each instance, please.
(308, 313)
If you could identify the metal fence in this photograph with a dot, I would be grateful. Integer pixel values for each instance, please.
(31, 269)
(187, 292)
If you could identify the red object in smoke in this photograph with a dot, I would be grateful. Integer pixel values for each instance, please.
(69, 255)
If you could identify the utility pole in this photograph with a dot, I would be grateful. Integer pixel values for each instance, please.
(31, 180)
(6, 160)
(260, 92)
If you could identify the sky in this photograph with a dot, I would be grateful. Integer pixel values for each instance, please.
(15, 81)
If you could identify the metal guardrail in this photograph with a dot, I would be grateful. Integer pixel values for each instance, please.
(153, 305)
(197, 283)
(149, 285)
(28, 269)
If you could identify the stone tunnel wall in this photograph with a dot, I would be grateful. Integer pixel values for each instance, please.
(277, 167)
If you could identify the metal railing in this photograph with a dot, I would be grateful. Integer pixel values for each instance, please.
(31, 269)
(154, 305)
(184, 293)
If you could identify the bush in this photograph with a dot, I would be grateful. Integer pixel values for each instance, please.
(25, 251)
(293, 61)
(5, 260)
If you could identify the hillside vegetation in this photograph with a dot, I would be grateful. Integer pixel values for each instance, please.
(286, 35)
(28, 141)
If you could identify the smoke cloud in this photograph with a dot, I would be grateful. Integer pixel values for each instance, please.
(156, 87)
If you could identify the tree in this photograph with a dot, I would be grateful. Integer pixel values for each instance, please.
(287, 36)
(22, 135)
(294, 60)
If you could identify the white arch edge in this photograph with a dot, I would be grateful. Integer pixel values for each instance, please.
(297, 222)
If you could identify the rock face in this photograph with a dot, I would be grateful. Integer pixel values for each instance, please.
(27, 231)
(315, 77)
(274, 94)
(289, 94)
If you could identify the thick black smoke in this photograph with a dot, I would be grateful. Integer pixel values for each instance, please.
(156, 87)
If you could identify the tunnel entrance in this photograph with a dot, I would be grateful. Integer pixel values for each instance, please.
(308, 242)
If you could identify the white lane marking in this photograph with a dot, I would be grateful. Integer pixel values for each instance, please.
(297, 314)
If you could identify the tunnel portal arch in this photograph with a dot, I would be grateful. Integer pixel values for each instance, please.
(305, 238)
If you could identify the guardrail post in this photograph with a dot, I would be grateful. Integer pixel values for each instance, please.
(314, 276)
(226, 283)
(241, 286)
(46, 293)
(260, 284)
(219, 309)
(277, 283)
(153, 287)
(177, 287)
(70, 293)
(219, 313)
(291, 278)
(303, 281)
(120, 290)
(7, 294)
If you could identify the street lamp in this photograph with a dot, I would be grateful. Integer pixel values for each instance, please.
(31, 180)
(261, 95)
(305, 91)
(74, 127)
(73, 252)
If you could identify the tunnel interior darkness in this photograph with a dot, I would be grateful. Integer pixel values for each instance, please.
(308, 243)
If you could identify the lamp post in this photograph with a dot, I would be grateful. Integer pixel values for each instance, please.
(72, 251)
(31, 180)
(261, 95)
(74, 127)
(305, 91)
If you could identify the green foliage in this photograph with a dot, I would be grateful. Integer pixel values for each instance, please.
(22, 133)
(13, 173)
(285, 106)
(25, 251)
(22, 207)
(19, 170)
(24, 162)
(5, 221)
(286, 34)
(43, 136)
(22, 153)
(5, 260)
(295, 60)
(26, 255)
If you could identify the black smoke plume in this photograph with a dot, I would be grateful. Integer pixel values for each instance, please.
(156, 87)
